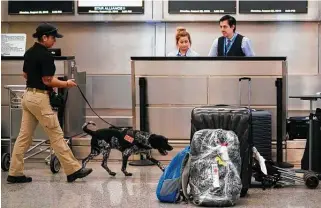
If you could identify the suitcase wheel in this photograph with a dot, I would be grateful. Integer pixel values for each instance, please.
(5, 161)
(311, 180)
(54, 164)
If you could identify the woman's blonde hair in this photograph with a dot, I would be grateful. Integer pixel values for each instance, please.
(181, 32)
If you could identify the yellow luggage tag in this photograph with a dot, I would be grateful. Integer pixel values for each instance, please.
(220, 161)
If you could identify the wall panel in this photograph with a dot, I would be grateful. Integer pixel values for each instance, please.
(268, 39)
(111, 92)
(173, 122)
(303, 85)
(230, 86)
(175, 90)
(100, 48)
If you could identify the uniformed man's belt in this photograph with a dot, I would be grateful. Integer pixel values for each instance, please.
(37, 90)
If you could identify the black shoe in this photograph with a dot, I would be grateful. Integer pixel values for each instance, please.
(19, 179)
(83, 172)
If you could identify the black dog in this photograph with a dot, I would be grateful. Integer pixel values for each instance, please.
(127, 141)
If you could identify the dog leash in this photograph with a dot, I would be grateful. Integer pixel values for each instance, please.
(82, 94)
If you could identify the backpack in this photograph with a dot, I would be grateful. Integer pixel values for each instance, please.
(169, 188)
(213, 169)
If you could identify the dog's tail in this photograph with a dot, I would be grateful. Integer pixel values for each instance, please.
(88, 131)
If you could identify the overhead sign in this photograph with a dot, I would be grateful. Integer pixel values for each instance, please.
(40, 7)
(111, 7)
(201, 7)
(261, 7)
(13, 44)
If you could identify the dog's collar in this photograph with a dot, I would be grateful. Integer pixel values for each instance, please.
(149, 136)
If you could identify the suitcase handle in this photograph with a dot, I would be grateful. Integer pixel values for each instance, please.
(249, 90)
(245, 78)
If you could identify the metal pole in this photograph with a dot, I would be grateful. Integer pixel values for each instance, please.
(144, 125)
(36, 153)
(279, 130)
(10, 126)
(310, 134)
(280, 124)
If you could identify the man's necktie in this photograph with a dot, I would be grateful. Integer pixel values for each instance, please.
(228, 43)
(227, 46)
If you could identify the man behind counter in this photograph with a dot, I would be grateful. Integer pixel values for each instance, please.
(231, 43)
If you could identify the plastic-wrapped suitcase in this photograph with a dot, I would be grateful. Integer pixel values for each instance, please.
(214, 168)
(237, 119)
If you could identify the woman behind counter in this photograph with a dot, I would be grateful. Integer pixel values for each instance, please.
(183, 43)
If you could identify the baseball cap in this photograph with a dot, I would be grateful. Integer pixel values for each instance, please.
(46, 29)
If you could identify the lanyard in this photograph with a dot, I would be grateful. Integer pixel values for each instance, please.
(226, 50)
(179, 53)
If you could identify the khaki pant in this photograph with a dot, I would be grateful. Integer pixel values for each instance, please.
(36, 109)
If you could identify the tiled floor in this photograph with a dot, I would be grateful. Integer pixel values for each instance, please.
(100, 190)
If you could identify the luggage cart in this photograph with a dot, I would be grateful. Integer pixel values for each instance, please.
(15, 93)
(270, 175)
(281, 177)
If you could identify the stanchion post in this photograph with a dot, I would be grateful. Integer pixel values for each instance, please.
(279, 125)
(279, 139)
(143, 115)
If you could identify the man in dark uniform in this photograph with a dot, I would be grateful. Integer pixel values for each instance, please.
(231, 43)
(39, 70)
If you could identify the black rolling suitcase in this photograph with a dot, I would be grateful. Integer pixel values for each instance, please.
(262, 132)
(297, 127)
(235, 118)
(316, 146)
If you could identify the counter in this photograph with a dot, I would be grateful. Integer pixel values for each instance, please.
(175, 85)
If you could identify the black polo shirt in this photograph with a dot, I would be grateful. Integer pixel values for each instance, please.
(38, 62)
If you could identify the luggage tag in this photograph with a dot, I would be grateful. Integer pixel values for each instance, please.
(220, 161)
(224, 153)
(215, 175)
